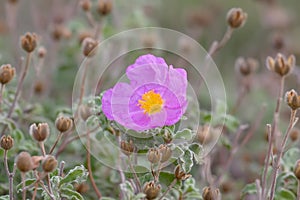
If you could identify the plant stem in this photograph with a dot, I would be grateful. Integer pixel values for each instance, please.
(89, 166)
(216, 46)
(42, 146)
(55, 143)
(50, 195)
(134, 174)
(168, 189)
(23, 186)
(298, 190)
(1, 94)
(266, 165)
(19, 87)
(292, 123)
(9, 175)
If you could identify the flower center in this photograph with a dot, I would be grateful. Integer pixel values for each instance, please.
(151, 102)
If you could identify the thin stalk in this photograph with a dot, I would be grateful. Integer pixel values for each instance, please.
(168, 189)
(49, 184)
(55, 143)
(23, 186)
(266, 164)
(42, 146)
(138, 183)
(9, 175)
(292, 123)
(47, 191)
(19, 87)
(216, 46)
(89, 166)
(298, 190)
(1, 94)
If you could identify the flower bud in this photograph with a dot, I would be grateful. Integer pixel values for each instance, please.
(39, 132)
(29, 42)
(85, 112)
(236, 17)
(63, 124)
(7, 142)
(292, 99)
(127, 147)
(165, 152)
(280, 64)
(297, 170)
(208, 194)
(38, 87)
(104, 7)
(180, 175)
(246, 66)
(85, 5)
(24, 162)
(7, 73)
(151, 190)
(294, 135)
(89, 47)
(49, 163)
(42, 52)
(153, 155)
(167, 137)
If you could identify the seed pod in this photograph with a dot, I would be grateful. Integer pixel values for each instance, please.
(153, 155)
(24, 162)
(127, 147)
(85, 5)
(42, 52)
(7, 142)
(167, 137)
(7, 73)
(246, 66)
(63, 124)
(29, 42)
(81, 188)
(49, 164)
(280, 64)
(292, 99)
(236, 17)
(297, 170)
(294, 135)
(165, 152)
(104, 7)
(85, 112)
(151, 190)
(89, 47)
(40, 132)
(208, 194)
(179, 174)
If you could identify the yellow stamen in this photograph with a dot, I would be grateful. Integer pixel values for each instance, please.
(151, 102)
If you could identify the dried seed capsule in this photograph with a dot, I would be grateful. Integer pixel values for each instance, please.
(297, 170)
(209, 194)
(246, 66)
(167, 137)
(127, 147)
(7, 73)
(165, 152)
(24, 162)
(280, 64)
(81, 188)
(294, 135)
(292, 99)
(104, 7)
(89, 47)
(42, 52)
(29, 42)
(49, 163)
(151, 190)
(85, 112)
(39, 132)
(180, 175)
(154, 155)
(7, 142)
(85, 5)
(236, 17)
(63, 124)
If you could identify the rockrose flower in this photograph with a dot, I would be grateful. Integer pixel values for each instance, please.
(154, 97)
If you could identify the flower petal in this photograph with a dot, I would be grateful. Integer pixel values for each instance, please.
(106, 104)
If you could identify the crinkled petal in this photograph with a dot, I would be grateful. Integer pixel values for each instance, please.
(106, 104)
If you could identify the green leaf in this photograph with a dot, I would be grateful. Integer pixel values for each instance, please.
(185, 134)
(166, 178)
(197, 150)
(249, 189)
(187, 161)
(27, 183)
(127, 189)
(231, 123)
(290, 158)
(139, 196)
(4, 197)
(107, 198)
(284, 194)
(78, 174)
(226, 142)
(70, 194)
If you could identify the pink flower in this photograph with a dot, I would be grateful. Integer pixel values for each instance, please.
(155, 96)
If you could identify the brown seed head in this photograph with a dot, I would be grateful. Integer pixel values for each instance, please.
(292, 99)
(127, 147)
(29, 42)
(236, 17)
(7, 142)
(294, 135)
(104, 7)
(42, 52)
(39, 87)
(24, 162)
(151, 190)
(49, 163)
(85, 5)
(167, 137)
(297, 170)
(82, 188)
(63, 124)
(12, 1)
(85, 112)
(246, 66)
(89, 46)
(180, 174)
(209, 194)
(7, 73)
(165, 152)
(39, 132)
(154, 155)
(280, 64)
